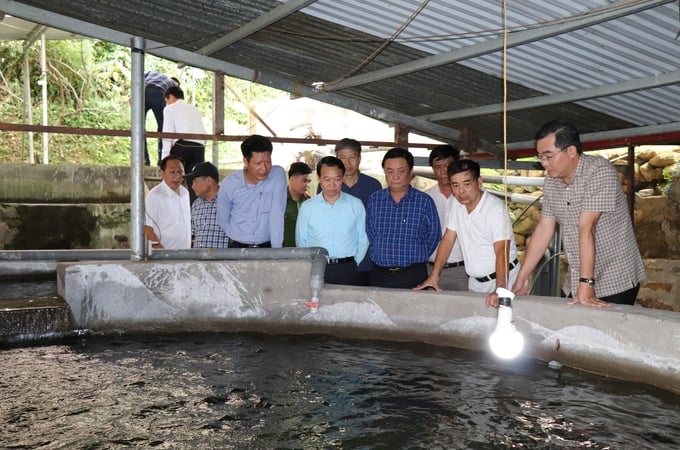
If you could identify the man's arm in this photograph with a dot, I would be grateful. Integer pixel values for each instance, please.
(168, 127)
(540, 239)
(151, 237)
(224, 206)
(502, 251)
(362, 237)
(302, 226)
(443, 252)
(278, 211)
(585, 293)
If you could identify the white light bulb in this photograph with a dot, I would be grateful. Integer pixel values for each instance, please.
(506, 342)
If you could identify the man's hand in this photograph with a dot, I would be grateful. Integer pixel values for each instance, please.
(430, 283)
(585, 295)
(521, 286)
(492, 300)
(590, 301)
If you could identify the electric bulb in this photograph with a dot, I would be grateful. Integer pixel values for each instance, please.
(505, 342)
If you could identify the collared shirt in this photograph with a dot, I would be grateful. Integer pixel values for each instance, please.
(442, 203)
(363, 188)
(404, 233)
(253, 213)
(477, 231)
(290, 219)
(340, 227)
(181, 117)
(161, 81)
(169, 215)
(596, 188)
(207, 233)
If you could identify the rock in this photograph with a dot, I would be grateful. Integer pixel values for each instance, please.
(525, 225)
(645, 155)
(651, 173)
(664, 159)
(645, 192)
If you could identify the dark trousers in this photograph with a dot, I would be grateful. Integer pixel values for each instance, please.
(154, 100)
(192, 153)
(342, 273)
(622, 298)
(402, 277)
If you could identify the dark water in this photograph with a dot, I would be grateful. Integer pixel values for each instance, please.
(224, 391)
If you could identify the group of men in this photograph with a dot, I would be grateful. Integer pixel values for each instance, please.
(454, 236)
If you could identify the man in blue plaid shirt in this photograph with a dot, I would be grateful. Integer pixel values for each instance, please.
(402, 226)
(204, 179)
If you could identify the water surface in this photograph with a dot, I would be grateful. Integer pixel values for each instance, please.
(249, 391)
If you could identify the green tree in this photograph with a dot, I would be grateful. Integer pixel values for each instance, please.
(88, 84)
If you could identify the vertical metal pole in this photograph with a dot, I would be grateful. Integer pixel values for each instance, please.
(630, 176)
(28, 104)
(401, 135)
(43, 80)
(218, 114)
(137, 244)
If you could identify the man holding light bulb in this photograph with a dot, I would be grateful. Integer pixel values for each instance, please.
(483, 227)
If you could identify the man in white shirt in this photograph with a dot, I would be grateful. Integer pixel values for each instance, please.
(481, 222)
(181, 117)
(452, 276)
(168, 215)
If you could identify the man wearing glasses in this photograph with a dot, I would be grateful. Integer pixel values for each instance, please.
(583, 194)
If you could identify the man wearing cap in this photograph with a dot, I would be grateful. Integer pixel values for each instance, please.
(252, 202)
(205, 182)
(168, 216)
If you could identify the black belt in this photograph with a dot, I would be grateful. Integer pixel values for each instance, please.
(450, 265)
(493, 275)
(237, 244)
(394, 270)
(340, 260)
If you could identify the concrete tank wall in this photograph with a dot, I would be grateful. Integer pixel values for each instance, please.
(625, 342)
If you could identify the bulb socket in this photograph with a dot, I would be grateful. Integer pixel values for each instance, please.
(505, 301)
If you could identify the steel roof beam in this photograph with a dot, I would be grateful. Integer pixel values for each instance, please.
(606, 90)
(276, 14)
(206, 62)
(604, 14)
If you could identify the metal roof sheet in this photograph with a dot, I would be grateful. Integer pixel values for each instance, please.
(578, 74)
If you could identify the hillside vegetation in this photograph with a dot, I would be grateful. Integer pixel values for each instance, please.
(88, 85)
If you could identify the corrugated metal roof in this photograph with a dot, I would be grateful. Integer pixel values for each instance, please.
(331, 40)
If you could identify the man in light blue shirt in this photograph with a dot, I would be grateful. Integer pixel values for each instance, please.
(336, 221)
(251, 203)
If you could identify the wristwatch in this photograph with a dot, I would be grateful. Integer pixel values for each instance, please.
(590, 281)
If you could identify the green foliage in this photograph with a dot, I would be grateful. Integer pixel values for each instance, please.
(88, 86)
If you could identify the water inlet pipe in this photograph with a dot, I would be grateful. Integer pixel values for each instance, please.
(318, 255)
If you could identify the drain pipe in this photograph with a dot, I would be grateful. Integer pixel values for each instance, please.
(318, 255)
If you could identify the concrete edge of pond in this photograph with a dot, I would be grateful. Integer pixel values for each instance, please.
(623, 342)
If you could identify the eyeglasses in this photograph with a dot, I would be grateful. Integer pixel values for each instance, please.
(548, 156)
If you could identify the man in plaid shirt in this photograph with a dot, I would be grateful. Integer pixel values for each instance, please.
(207, 233)
(583, 194)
